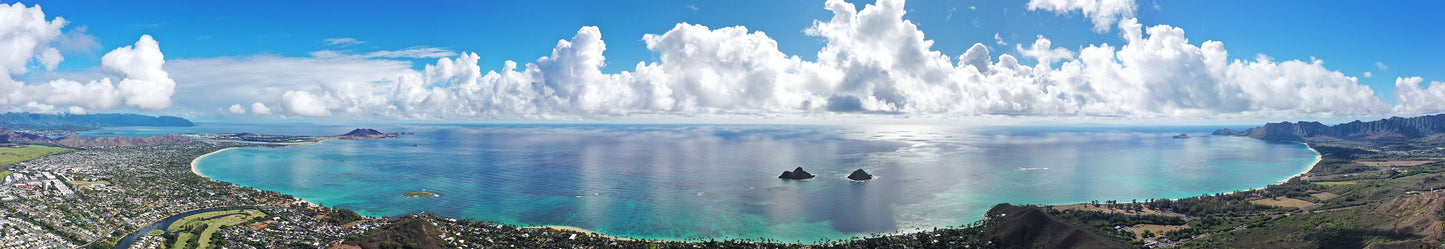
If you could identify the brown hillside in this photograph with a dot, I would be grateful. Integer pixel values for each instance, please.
(1031, 227)
(1415, 214)
(405, 233)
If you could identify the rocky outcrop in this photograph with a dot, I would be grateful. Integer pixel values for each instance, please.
(860, 175)
(796, 174)
(364, 133)
(1391, 128)
(1181, 136)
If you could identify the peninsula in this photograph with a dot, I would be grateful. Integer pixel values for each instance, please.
(359, 133)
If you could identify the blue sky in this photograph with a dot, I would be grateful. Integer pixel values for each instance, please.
(1387, 40)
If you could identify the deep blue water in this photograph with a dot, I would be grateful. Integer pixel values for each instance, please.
(719, 181)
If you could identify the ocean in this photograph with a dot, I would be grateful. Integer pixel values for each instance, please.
(683, 182)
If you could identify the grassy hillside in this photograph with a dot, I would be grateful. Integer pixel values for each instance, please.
(11, 155)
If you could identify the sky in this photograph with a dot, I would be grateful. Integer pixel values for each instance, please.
(719, 60)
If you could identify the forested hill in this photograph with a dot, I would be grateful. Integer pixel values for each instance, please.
(1391, 128)
(83, 122)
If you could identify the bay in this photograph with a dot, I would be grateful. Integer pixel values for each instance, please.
(683, 182)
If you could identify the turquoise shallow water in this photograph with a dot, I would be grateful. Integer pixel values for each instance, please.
(706, 181)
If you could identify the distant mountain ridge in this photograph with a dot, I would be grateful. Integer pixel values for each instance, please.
(85, 122)
(1390, 128)
(9, 136)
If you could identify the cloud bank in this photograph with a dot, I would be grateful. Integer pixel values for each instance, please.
(29, 42)
(874, 61)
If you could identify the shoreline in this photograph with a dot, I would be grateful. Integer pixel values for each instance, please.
(195, 169)
(583, 231)
(1318, 158)
(195, 161)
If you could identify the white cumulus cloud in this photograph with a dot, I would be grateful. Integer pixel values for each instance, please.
(874, 61)
(305, 104)
(146, 84)
(237, 109)
(1044, 51)
(259, 108)
(1415, 99)
(1104, 13)
(26, 37)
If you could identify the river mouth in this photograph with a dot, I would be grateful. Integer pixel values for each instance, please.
(681, 182)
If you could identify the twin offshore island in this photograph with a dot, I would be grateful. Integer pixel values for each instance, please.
(1378, 186)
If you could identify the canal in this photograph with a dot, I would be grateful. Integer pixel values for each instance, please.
(130, 239)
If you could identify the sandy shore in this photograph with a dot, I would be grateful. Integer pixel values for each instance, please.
(196, 171)
(1318, 157)
(580, 230)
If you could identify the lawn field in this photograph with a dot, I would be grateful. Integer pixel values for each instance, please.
(82, 184)
(11, 155)
(1283, 202)
(1335, 183)
(208, 224)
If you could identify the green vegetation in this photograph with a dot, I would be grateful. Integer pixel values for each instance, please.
(11, 155)
(5, 173)
(1335, 183)
(196, 231)
(1340, 160)
(342, 216)
(419, 194)
(82, 184)
(1352, 205)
